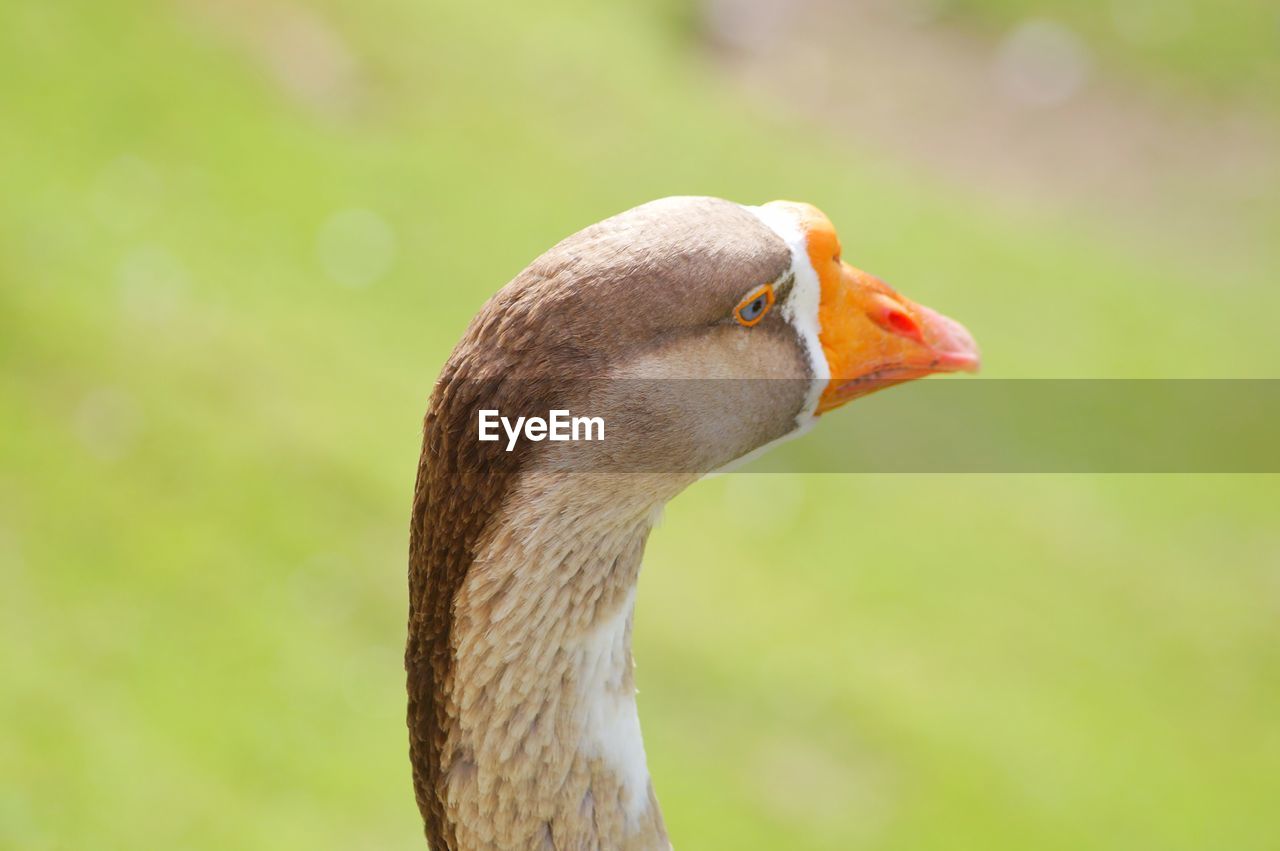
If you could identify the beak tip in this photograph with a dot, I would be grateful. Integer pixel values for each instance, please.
(955, 347)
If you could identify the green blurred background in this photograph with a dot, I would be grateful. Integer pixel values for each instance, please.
(237, 240)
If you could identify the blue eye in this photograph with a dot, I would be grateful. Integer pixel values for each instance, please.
(754, 306)
(754, 310)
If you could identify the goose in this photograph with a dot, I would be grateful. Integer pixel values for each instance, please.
(523, 727)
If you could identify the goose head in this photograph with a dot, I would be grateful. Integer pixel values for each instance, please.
(699, 331)
(756, 304)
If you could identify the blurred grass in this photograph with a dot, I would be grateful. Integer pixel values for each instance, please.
(208, 448)
(1226, 49)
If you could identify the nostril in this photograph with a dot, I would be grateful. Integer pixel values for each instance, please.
(903, 324)
(891, 316)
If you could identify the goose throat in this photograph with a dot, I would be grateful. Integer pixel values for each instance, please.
(542, 744)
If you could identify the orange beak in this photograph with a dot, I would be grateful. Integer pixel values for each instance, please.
(873, 337)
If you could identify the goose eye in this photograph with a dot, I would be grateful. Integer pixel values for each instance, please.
(754, 306)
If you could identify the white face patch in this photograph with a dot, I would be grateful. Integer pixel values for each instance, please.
(801, 307)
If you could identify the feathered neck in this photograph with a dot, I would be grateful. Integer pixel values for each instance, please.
(524, 727)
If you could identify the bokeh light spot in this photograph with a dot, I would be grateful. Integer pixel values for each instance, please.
(107, 422)
(153, 284)
(1041, 63)
(356, 247)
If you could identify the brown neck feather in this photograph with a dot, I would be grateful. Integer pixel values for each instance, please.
(522, 720)
(522, 717)
(461, 486)
(458, 491)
